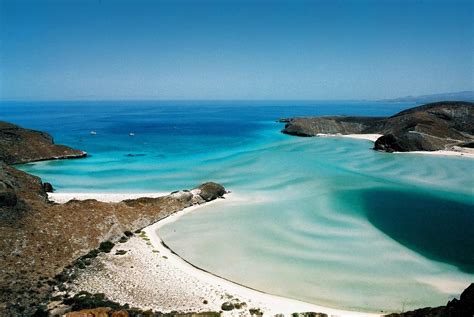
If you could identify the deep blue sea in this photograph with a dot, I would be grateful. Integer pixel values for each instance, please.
(324, 220)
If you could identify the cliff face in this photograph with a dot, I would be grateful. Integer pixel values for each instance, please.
(38, 238)
(19, 145)
(430, 127)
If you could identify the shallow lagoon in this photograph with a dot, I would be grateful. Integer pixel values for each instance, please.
(325, 220)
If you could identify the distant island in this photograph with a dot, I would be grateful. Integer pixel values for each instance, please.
(440, 126)
(467, 95)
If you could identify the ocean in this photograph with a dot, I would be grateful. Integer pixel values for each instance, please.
(323, 220)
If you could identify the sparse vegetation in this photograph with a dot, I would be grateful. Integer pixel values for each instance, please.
(227, 306)
(106, 246)
(85, 300)
(256, 312)
(123, 239)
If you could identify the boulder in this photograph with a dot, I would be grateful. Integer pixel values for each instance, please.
(210, 191)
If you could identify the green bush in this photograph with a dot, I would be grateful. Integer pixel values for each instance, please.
(106, 246)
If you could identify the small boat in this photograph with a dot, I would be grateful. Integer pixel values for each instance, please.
(93, 133)
(131, 134)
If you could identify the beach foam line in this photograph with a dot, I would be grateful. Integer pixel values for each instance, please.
(62, 198)
(270, 304)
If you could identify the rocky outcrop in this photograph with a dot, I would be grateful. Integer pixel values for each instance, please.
(431, 127)
(19, 145)
(332, 125)
(210, 191)
(462, 307)
(39, 238)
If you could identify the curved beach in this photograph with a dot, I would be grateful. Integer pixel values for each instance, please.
(179, 274)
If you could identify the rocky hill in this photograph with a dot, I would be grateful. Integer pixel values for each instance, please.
(38, 239)
(431, 127)
(19, 145)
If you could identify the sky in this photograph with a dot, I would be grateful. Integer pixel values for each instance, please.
(229, 49)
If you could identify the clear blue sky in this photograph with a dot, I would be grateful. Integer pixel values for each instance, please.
(108, 49)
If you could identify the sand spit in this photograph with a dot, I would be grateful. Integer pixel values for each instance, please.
(455, 151)
(151, 276)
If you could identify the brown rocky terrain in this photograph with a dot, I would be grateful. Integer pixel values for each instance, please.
(38, 239)
(19, 145)
(431, 127)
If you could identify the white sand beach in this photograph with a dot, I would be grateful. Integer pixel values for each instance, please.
(151, 276)
(455, 151)
(62, 198)
(370, 137)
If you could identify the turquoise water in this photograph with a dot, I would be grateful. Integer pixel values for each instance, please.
(324, 220)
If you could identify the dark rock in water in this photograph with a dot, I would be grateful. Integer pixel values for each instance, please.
(19, 145)
(464, 307)
(134, 155)
(431, 127)
(210, 191)
(48, 187)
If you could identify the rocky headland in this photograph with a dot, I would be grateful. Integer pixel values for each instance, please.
(19, 145)
(447, 125)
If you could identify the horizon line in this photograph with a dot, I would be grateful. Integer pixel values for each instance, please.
(391, 99)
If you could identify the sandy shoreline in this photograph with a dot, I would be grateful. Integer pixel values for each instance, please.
(370, 137)
(168, 283)
(62, 198)
(456, 151)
